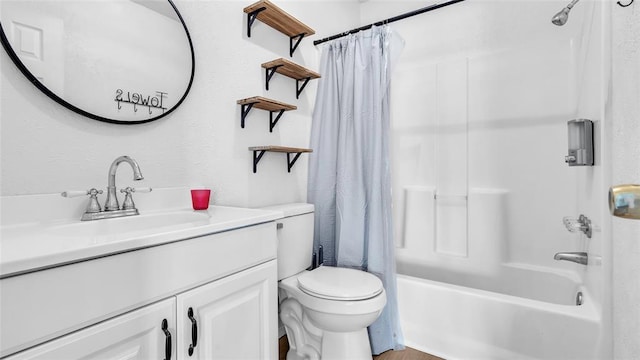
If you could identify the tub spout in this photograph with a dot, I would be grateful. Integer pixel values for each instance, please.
(576, 257)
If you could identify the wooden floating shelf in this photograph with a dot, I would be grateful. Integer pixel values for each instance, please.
(270, 14)
(259, 102)
(263, 103)
(258, 152)
(282, 149)
(289, 69)
(278, 19)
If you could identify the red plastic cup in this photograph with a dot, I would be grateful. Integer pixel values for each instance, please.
(200, 199)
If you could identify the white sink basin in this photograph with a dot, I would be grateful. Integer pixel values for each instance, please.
(160, 222)
(26, 247)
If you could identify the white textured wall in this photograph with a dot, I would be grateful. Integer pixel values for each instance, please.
(45, 148)
(626, 169)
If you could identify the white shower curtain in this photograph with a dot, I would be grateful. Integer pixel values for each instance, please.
(349, 171)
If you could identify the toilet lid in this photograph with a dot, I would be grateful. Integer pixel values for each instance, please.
(339, 283)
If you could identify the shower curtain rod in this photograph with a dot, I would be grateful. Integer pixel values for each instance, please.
(389, 20)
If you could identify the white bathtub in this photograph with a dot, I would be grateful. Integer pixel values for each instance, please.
(522, 315)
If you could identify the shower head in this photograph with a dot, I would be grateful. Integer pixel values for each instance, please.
(561, 17)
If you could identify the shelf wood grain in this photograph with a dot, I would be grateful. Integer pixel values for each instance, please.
(291, 69)
(263, 103)
(279, 19)
(282, 149)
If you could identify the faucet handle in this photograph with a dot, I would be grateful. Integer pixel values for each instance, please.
(128, 199)
(142, 189)
(129, 190)
(76, 193)
(94, 205)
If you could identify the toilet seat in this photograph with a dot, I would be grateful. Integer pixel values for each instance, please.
(344, 284)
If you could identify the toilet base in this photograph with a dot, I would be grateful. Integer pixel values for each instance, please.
(346, 345)
(327, 329)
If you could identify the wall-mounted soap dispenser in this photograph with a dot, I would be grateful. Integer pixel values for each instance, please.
(580, 143)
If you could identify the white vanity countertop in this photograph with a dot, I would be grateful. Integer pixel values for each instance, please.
(29, 246)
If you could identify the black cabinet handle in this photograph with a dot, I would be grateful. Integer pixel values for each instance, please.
(194, 331)
(167, 343)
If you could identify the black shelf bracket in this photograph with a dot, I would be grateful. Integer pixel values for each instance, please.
(269, 72)
(291, 162)
(272, 121)
(257, 155)
(244, 112)
(256, 159)
(251, 18)
(297, 38)
(300, 88)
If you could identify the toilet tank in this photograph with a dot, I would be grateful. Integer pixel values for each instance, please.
(295, 238)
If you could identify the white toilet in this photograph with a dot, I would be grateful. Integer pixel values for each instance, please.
(325, 311)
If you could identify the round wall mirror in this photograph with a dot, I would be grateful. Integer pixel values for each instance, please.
(119, 61)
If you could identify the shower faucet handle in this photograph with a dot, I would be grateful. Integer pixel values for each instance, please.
(582, 224)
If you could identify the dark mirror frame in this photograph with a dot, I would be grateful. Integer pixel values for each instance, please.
(59, 100)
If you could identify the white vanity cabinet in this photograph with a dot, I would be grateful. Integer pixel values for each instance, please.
(113, 306)
(233, 318)
(135, 335)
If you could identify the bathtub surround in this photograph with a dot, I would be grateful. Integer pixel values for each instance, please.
(349, 179)
(479, 124)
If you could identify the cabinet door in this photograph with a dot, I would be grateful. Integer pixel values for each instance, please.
(236, 317)
(135, 335)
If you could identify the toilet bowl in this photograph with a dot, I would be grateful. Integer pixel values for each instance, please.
(340, 317)
(325, 311)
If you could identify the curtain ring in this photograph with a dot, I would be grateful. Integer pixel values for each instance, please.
(621, 4)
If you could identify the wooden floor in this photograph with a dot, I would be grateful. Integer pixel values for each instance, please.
(406, 354)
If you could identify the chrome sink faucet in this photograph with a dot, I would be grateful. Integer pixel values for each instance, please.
(112, 207)
(576, 257)
(111, 204)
